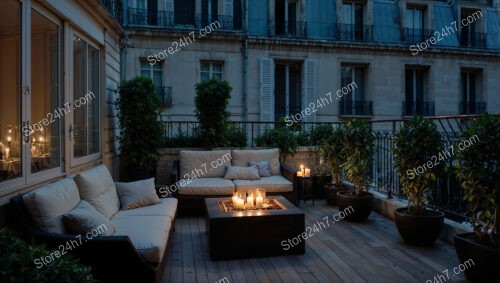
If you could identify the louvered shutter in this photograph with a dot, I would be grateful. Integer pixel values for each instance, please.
(169, 7)
(309, 94)
(228, 12)
(266, 90)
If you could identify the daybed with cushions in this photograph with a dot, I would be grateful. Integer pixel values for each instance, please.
(138, 225)
(196, 178)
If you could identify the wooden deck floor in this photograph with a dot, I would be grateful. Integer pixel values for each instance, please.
(344, 252)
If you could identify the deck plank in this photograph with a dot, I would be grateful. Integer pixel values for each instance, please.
(341, 252)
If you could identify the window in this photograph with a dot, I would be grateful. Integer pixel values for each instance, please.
(210, 69)
(352, 28)
(209, 12)
(471, 102)
(415, 102)
(184, 12)
(286, 17)
(414, 31)
(288, 89)
(85, 133)
(353, 100)
(155, 72)
(469, 35)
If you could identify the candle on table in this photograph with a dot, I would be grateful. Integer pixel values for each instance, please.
(299, 174)
(307, 172)
(240, 204)
(9, 139)
(235, 199)
(7, 153)
(250, 200)
(259, 201)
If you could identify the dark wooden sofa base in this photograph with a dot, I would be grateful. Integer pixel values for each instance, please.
(127, 264)
(195, 204)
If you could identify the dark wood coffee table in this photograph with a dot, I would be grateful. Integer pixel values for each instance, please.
(246, 234)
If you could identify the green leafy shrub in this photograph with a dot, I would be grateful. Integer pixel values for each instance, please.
(416, 144)
(358, 152)
(302, 138)
(331, 152)
(211, 100)
(478, 169)
(235, 136)
(141, 131)
(281, 138)
(319, 134)
(17, 261)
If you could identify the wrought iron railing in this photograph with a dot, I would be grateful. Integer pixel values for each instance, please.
(144, 17)
(115, 8)
(472, 107)
(352, 32)
(419, 107)
(355, 107)
(296, 29)
(473, 39)
(410, 35)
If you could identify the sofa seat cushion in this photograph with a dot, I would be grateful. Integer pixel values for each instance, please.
(273, 184)
(97, 187)
(206, 186)
(47, 204)
(243, 157)
(149, 234)
(166, 208)
(204, 164)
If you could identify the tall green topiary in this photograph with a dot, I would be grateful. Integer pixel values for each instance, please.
(211, 100)
(478, 169)
(331, 152)
(358, 152)
(141, 130)
(416, 144)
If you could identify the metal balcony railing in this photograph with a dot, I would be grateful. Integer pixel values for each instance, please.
(144, 17)
(472, 107)
(297, 29)
(419, 107)
(410, 35)
(115, 8)
(221, 22)
(473, 39)
(165, 94)
(355, 107)
(351, 32)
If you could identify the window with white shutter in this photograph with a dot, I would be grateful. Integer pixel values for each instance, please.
(309, 88)
(266, 90)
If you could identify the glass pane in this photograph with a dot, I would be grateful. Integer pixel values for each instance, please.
(10, 90)
(217, 67)
(141, 4)
(419, 76)
(409, 87)
(358, 16)
(205, 76)
(205, 67)
(157, 78)
(145, 73)
(217, 75)
(409, 18)
(419, 16)
(91, 101)
(347, 16)
(358, 93)
(79, 134)
(46, 110)
(145, 65)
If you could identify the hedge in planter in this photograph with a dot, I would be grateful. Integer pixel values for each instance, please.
(141, 130)
(18, 263)
(478, 169)
(357, 148)
(281, 138)
(417, 144)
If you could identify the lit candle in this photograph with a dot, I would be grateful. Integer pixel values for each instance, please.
(7, 153)
(240, 204)
(259, 201)
(299, 174)
(250, 200)
(308, 172)
(235, 199)
(9, 139)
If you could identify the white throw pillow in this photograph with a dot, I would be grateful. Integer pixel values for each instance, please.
(84, 218)
(137, 194)
(96, 186)
(242, 173)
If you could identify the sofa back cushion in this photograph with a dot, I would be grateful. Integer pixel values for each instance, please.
(242, 157)
(47, 204)
(204, 164)
(96, 186)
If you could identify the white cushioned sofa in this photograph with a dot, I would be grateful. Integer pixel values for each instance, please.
(201, 174)
(135, 240)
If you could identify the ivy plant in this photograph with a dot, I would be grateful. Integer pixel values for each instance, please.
(357, 148)
(478, 169)
(418, 144)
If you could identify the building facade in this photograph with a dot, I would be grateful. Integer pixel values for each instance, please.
(60, 64)
(335, 59)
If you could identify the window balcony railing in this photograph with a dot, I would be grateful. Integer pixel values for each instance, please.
(469, 108)
(410, 35)
(351, 32)
(222, 22)
(144, 17)
(115, 7)
(297, 29)
(419, 107)
(473, 39)
(280, 111)
(355, 107)
(165, 95)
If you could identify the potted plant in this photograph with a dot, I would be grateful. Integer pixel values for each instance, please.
(141, 131)
(357, 149)
(418, 159)
(331, 153)
(21, 262)
(280, 137)
(318, 136)
(478, 169)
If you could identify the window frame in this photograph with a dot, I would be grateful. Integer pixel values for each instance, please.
(211, 69)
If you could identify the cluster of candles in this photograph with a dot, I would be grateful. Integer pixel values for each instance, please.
(255, 199)
(304, 171)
